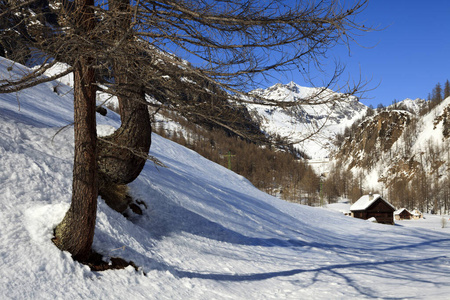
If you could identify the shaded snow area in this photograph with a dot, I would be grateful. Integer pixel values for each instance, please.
(207, 232)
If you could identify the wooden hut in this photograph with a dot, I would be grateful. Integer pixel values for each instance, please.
(402, 214)
(416, 214)
(373, 206)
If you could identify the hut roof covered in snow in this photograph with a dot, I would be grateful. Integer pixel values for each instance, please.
(365, 201)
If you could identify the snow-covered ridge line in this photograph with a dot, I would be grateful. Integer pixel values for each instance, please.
(299, 123)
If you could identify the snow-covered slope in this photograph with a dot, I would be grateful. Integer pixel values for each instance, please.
(297, 124)
(432, 127)
(207, 232)
(422, 142)
(413, 106)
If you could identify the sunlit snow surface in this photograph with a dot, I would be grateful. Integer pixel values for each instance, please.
(207, 232)
(310, 127)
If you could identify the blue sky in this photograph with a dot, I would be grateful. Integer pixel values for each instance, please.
(407, 58)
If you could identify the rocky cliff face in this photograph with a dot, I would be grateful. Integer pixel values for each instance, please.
(372, 137)
(396, 151)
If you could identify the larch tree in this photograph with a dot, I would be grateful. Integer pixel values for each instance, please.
(122, 155)
(138, 51)
(75, 233)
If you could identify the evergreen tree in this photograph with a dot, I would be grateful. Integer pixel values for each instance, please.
(380, 107)
(446, 89)
(437, 94)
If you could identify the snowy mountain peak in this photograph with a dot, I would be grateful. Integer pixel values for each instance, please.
(294, 92)
(297, 123)
(413, 106)
(292, 86)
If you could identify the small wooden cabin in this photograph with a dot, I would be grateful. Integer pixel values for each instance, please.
(416, 214)
(373, 206)
(403, 214)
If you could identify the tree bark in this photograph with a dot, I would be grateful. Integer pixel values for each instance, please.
(122, 155)
(76, 231)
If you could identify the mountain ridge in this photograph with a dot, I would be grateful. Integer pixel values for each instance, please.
(301, 122)
(404, 154)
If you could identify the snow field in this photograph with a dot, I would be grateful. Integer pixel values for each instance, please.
(207, 232)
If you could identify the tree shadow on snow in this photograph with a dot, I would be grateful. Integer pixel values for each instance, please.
(168, 218)
(394, 269)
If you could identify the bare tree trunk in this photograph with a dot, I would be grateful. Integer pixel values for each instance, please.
(122, 155)
(76, 231)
